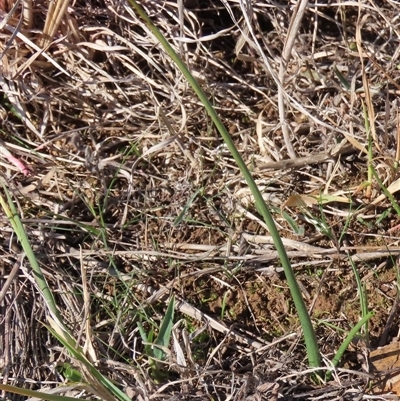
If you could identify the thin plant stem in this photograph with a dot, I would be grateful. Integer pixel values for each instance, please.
(310, 339)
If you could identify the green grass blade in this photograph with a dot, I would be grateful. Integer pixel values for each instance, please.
(77, 353)
(12, 215)
(342, 79)
(313, 354)
(386, 192)
(350, 337)
(164, 335)
(182, 214)
(362, 292)
(62, 334)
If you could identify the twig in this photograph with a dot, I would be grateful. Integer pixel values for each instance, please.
(315, 158)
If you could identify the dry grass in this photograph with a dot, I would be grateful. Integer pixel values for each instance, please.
(119, 147)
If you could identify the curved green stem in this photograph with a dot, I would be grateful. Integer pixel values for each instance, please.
(309, 334)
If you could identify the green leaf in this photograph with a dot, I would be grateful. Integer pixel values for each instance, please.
(70, 373)
(342, 79)
(310, 339)
(186, 208)
(164, 336)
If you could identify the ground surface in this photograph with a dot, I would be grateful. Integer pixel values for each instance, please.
(134, 196)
